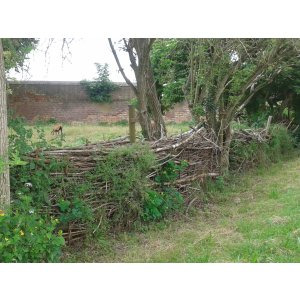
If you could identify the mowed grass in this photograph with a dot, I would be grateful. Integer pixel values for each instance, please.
(76, 135)
(255, 218)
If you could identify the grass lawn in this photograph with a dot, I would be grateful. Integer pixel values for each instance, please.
(256, 218)
(75, 135)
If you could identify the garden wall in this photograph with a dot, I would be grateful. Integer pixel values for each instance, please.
(66, 101)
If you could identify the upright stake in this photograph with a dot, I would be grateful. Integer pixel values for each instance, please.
(268, 124)
(131, 123)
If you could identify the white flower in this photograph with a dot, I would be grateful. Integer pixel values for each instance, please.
(28, 184)
(31, 211)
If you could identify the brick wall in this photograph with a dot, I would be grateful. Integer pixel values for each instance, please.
(68, 102)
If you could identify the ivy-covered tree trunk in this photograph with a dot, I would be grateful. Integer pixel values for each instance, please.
(4, 168)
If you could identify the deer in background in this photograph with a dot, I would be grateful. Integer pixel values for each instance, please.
(57, 129)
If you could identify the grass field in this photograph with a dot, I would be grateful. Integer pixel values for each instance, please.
(75, 135)
(255, 218)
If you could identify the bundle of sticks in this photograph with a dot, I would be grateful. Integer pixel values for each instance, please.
(248, 135)
(196, 147)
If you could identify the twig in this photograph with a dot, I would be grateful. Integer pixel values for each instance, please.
(98, 225)
(295, 129)
(189, 205)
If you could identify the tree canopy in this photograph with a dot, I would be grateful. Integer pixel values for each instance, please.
(169, 58)
(219, 78)
(281, 98)
(15, 52)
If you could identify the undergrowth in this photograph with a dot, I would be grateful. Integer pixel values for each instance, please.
(248, 155)
(124, 170)
(27, 234)
(130, 199)
(244, 157)
(253, 217)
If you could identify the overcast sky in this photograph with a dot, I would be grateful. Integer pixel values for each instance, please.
(78, 66)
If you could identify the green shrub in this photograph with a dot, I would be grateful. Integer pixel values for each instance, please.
(248, 155)
(124, 170)
(30, 237)
(100, 90)
(281, 142)
(34, 171)
(158, 204)
(170, 172)
(75, 210)
(26, 236)
(258, 119)
(121, 123)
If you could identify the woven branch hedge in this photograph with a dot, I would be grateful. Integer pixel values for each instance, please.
(77, 164)
(79, 169)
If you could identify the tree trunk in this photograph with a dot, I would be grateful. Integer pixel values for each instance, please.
(149, 105)
(224, 160)
(225, 149)
(149, 108)
(4, 174)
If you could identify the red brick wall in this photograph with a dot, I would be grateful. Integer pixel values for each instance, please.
(68, 102)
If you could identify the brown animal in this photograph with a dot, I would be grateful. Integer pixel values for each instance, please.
(57, 129)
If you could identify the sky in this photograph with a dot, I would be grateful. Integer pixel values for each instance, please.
(80, 62)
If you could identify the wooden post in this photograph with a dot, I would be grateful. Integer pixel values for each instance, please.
(131, 123)
(268, 124)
